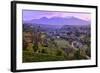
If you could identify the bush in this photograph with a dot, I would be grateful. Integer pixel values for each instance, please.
(88, 52)
(43, 51)
(59, 53)
(35, 48)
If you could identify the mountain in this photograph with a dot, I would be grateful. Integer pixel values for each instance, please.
(58, 21)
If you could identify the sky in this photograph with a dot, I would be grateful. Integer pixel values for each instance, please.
(36, 14)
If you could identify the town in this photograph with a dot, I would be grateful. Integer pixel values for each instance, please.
(53, 43)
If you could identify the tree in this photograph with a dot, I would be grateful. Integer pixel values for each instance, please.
(58, 53)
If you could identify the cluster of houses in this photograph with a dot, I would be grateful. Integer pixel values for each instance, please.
(70, 34)
(34, 36)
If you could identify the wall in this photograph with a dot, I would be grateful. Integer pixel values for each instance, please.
(5, 37)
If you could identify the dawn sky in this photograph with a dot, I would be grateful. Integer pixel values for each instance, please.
(34, 14)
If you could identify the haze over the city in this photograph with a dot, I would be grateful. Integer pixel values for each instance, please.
(36, 14)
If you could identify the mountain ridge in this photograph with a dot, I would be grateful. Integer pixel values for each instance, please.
(58, 21)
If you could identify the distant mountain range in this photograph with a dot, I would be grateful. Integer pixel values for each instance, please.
(58, 21)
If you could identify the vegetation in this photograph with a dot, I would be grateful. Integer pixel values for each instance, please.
(40, 46)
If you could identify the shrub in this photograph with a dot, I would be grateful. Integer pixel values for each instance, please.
(43, 51)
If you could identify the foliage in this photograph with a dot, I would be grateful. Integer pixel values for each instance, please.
(40, 57)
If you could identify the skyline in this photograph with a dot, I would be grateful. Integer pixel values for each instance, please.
(36, 14)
